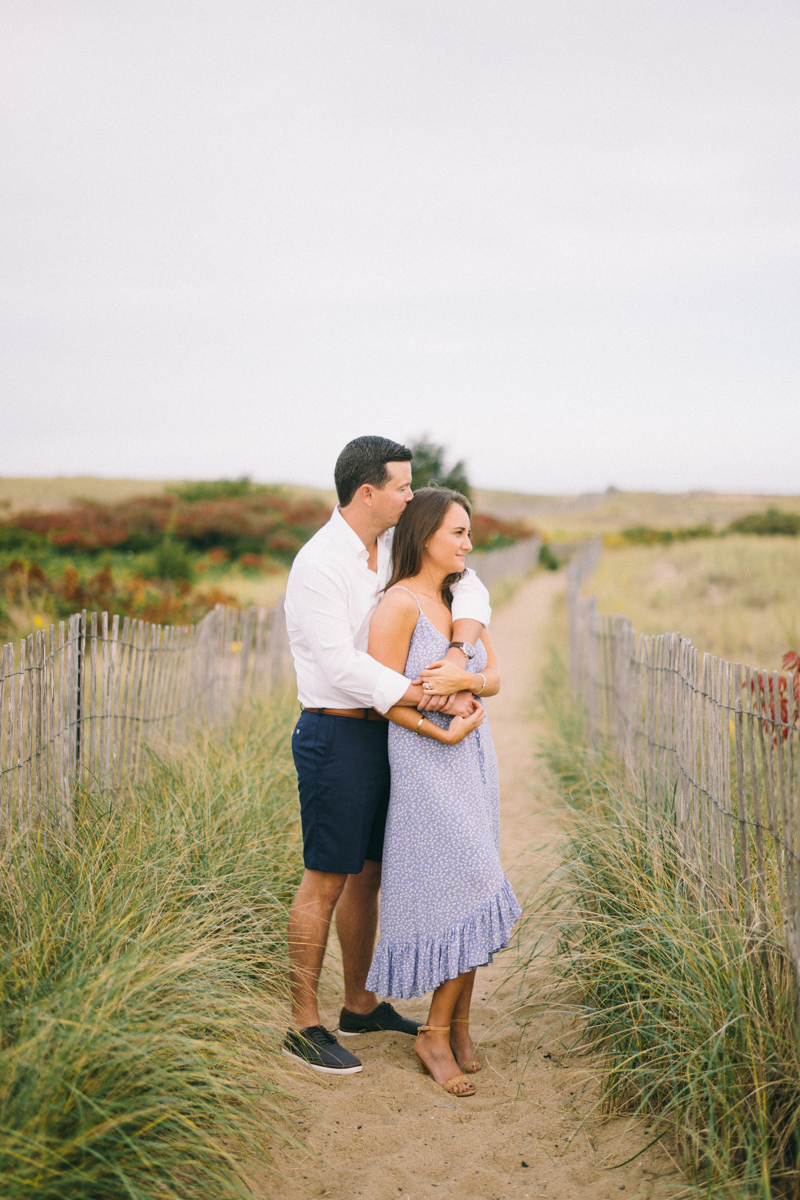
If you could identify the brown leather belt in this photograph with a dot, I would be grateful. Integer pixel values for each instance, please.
(358, 714)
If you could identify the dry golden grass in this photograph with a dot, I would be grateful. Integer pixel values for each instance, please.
(571, 518)
(736, 597)
(20, 493)
(261, 590)
(28, 492)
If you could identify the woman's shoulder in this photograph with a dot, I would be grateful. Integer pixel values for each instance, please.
(399, 600)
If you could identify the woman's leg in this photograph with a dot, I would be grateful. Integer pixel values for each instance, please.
(434, 1047)
(460, 1040)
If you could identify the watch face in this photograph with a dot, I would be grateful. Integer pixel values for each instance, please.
(468, 649)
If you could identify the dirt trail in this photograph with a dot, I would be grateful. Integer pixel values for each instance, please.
(391, 1134)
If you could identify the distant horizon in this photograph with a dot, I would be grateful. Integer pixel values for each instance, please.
(611, 489)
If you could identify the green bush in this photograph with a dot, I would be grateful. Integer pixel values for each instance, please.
(773, 521)
(645, 535)
(216, 489)
(172, 561)
(547, 559)
(143, 958)
(20, 540)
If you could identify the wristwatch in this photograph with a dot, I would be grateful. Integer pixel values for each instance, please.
(466, 648)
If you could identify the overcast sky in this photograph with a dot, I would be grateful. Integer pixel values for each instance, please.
(560, 236)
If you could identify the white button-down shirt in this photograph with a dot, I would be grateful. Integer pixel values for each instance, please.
(330, 598)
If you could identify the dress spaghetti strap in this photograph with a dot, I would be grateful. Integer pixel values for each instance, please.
(399, 586)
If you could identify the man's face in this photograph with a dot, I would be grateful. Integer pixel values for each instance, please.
(389, 502)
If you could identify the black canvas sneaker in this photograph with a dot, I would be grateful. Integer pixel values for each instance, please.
(315, 1047)
(381, 1018)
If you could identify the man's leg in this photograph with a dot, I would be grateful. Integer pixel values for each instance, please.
(309, 922)
(357, 925)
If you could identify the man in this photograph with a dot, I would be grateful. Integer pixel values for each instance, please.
(340, 742)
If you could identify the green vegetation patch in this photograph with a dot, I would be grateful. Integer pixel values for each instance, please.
(696, 1022)
(770, 522)
(143, 958)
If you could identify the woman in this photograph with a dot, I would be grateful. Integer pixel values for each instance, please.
(446, 905)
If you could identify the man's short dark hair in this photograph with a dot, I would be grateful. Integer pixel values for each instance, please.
(364, 461)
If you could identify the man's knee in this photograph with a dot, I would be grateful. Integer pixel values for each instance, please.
(368, 878)
(321, 887)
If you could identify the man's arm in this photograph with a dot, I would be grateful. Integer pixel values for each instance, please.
(318, 603)
(471, 613)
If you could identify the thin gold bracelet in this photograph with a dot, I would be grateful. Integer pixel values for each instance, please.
(483, 677)
(422, 718)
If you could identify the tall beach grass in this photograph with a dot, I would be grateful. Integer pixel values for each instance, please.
(141, 968)
(694, 1023)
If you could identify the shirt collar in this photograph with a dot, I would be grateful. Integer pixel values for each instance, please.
(347, 536)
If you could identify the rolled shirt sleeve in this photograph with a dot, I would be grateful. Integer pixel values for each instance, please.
(471, 599)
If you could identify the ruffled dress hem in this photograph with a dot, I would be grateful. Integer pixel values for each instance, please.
(415, 968)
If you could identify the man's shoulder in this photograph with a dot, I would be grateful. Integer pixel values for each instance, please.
(315, 547)
(319, 555)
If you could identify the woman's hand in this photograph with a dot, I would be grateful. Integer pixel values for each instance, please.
(442, 678)
(460, 727)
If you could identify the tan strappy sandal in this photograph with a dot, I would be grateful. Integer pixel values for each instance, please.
(471, 1066)
(449, 1084)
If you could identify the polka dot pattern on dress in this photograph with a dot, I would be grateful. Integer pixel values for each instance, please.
(446, 904)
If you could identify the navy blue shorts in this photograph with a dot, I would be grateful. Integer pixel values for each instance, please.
(343, 773)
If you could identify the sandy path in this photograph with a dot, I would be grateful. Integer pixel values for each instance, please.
(389, 1132)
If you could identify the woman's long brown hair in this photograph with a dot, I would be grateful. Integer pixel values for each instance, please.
(423, 515)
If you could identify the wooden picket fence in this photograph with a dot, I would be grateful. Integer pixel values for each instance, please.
(82, 700)
(713, 747)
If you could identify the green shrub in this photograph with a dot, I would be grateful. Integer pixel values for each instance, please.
(216, 489)
(172, 561)
(547, 559)
(143, 958)
(645, 535)
(770, 522)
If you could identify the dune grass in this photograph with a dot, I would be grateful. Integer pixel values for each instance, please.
(141, 968)
(735, 596)
(695, 1024)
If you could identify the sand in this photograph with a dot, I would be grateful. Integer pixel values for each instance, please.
(392, 1134)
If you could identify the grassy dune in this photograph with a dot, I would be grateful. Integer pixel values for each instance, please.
(735, 596)
(142, 970)
(572, 518)
(22, 492)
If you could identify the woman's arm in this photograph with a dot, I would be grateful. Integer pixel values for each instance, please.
(458, 729)
(443, 677)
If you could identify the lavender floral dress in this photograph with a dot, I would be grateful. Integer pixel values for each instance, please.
(446, 905)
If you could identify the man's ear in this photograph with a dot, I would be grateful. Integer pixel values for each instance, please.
(366, 492)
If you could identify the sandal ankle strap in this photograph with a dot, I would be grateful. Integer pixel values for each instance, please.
(426, 1028)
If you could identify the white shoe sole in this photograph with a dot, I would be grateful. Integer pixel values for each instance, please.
(349, 1032)
(321, 1069)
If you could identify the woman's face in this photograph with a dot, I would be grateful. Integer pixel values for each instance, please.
(449, 546)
